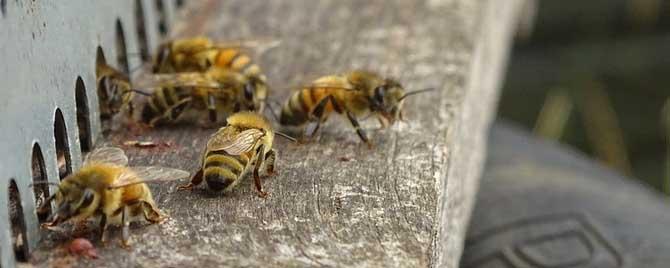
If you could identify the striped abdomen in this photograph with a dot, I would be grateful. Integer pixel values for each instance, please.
(296, 110)
(162, 100)
(222, 171)
(238, 61)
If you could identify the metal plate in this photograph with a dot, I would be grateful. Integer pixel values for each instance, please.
(47, 76)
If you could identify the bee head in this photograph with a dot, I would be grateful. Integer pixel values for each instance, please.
(71, 199)
(386, 100)
(114, 93)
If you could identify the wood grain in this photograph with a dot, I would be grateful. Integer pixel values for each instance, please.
(404, 203)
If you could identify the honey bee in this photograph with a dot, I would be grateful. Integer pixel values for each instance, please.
(106, 187)
(244, 143)
(199, 54)
(216, 92)
(355, 94)
(115, 92)
(180, 55)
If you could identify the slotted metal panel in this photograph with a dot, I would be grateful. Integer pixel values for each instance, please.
(48, 105)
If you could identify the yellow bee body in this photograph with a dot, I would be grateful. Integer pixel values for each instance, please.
(180, 55)
(217, 92)
(244, 144)
(236, 60)
(354, 95)
(99, 177)
(105, 187)
(198, 54)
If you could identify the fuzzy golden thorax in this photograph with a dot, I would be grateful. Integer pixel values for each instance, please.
(181, 55)
(247, 120)
(81, 194)
(191, 45)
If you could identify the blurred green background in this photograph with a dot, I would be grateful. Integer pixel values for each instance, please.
(596, 75)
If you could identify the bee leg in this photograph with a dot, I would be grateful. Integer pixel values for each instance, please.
(257, 167)
(270, 158)
(354, 122)
(125, 231)
(359, 130)
(211, 107)
(317, 115)
(176, 110)
(196, 180)
(310, 129)
(151, 213)
(172, 113)
(103, 229)
(383, 122)
(131, 110)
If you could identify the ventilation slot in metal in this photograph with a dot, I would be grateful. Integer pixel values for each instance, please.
(162, 18)
(39, 178)
(141, 30)
(83, 120)
(121, 52)
(62, 146)
(19, 241)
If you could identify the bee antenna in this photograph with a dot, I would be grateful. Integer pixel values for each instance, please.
(138, 92)
(52, 196)
(415, 92)
(286, 136)
(271, 108)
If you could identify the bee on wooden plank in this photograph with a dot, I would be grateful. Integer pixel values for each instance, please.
(215, 93)
(355, 94)
(199, 54)
(244, 144)
(106, 187)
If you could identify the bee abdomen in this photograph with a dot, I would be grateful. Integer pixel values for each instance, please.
(219, 179)
(296, 110)
(221, 170)
(160, 101)
(238, 61)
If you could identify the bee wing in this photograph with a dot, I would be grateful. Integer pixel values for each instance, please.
(144, 174)
(176, 80)
(258, 44)
(326, 86)
(235, 143)
(110, 155)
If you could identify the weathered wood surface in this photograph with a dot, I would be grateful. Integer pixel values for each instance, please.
(404, 203)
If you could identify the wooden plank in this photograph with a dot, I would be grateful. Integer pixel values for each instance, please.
(404, 203)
